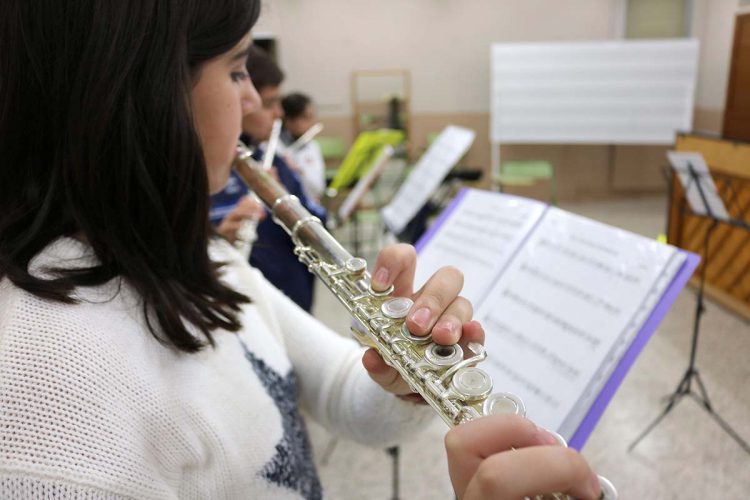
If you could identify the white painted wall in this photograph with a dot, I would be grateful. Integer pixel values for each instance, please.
(445, 43)
(714, 26)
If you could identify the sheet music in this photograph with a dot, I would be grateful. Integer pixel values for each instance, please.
(563, 308)
(681, 162)
(479, 237)
(580, 409)
(427, 175)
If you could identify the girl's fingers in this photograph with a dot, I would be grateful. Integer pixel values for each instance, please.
(434, 298)
(472, 332)
(470, 443)
(533, 471)
(395, 265)
(386, 376)
(448, 327)
(482, 465)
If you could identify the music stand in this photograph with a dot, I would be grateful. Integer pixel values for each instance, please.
(707, 207)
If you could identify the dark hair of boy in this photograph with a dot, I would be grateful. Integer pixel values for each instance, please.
(295, 104)
(98, 142)
(263, 71)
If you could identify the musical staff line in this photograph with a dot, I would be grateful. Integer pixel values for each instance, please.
(518, 339)
(592, 244)
(597, 264)
(463, 233)
(462, 251)
(489, 219)
(592, 341)
(531, 388)
(571, 289)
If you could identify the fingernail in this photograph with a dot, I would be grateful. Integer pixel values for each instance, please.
(446, 324)
(380, 279)
(545, 437)
(421, 317)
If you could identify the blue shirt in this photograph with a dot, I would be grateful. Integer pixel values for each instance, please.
(273, 251)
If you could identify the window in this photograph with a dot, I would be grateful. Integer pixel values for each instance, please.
(657, 18)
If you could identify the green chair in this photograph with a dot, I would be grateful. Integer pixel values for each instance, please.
(528, 173)
(331, 147)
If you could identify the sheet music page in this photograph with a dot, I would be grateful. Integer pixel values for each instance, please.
(427, 175)
(560, 311)
(681, 162)
(479, 237)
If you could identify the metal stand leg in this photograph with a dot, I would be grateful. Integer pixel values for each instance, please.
(394, 453)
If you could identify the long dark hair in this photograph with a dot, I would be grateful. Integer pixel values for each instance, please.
(97, 139)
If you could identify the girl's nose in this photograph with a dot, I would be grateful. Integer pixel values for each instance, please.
(250, 98)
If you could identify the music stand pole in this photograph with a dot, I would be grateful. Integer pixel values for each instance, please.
(685, 386)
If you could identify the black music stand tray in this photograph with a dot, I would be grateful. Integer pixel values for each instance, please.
(685, 388)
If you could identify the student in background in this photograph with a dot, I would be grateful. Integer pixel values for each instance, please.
(273, 250)
(299, 116)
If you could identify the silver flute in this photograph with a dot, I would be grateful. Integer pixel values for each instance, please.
(444, 375)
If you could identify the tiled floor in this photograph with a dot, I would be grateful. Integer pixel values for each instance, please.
(687, 456)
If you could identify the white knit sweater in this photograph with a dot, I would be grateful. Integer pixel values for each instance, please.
(92, 406)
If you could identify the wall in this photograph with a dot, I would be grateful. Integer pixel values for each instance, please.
(445, 45)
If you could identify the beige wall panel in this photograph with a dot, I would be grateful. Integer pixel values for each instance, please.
(708, 120)
(716, 31)
(444, 44)
(339, 126)
(639, 168)
(583, 172)
(479, 153)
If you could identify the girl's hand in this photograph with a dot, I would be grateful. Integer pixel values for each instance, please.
(508, 457)
(438, 308)
(247, 208)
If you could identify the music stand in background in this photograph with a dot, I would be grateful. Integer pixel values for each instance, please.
(704, 200)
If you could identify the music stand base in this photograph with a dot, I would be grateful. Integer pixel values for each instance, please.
(685, 389)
